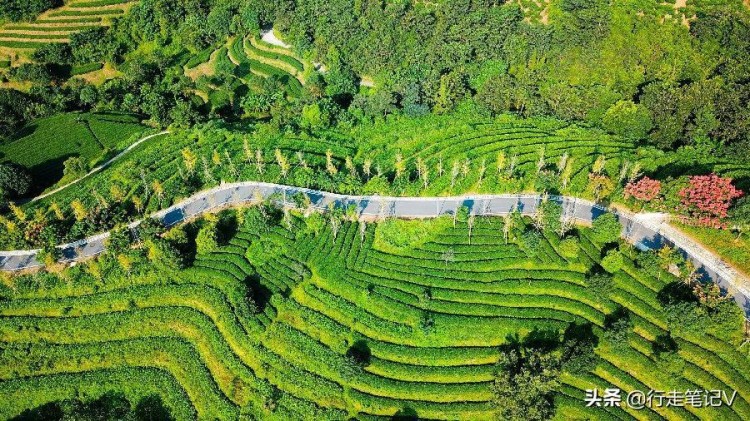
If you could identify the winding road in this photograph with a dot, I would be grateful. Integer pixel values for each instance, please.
(645, 231)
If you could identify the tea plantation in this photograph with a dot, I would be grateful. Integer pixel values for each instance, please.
(45, 144)
(243, 65)
(57, 25)
(292, 313)
(285, 316)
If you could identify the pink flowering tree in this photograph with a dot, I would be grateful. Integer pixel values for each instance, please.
(644, 190)
(707, 198)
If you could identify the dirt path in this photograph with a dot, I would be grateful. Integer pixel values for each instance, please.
(204, 69)
(100, 167)
(270, 37)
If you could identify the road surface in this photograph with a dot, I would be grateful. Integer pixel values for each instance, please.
(645, 231)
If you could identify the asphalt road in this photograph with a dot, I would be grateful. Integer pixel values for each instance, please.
(645, 231)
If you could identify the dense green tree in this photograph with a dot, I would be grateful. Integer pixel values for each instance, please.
(94, 45)
(453, 87)
(600, 284)
(208, 236)
(578, 345)
(32, 72)
(627, 119)
(75, 167)
(17, 10)
(525, 383)
(585, 20)
(617, 328)
(740, 216)
(549, 217)
(606, 228)
(58, 53)
(613, 261)
(14, 107)
(15, 181)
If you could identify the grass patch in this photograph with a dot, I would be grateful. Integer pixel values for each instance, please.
(340, 325)
(34, 36)
(85, 68)
(98, 3)
(22, 44)
(102, 12)
(725, 243)
(71, 19)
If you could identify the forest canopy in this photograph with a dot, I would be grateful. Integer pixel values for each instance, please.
(17, 10)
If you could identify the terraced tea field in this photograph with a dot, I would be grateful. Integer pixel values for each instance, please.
(342, 326)
(56, 25)
(472, 148)
(45, 144)
(251, 60)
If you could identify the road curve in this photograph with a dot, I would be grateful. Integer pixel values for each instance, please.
(645, 231)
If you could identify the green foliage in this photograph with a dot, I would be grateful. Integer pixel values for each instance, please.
(278, 320)
(54, 53)
(627, 119)
(93, 45)
(45, 144)
(453, 88)
(613, 261)
(525, 384)
(617, 329)
(74, 167)
(15, 10)
(549, 217)
(570, 247)
(111, 405)
(400, 234)
(606, 229)
(15, 181)
(85, 68)
(600, 284)
(530, 241)
(269, 321)
(207, 239)
(32, 72)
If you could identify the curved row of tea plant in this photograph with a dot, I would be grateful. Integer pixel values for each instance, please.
(425, 320)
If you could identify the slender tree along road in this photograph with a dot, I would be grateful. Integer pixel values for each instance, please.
(645, 231)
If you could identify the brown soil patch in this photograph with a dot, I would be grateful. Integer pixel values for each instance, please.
(97, 77)
(60, 31)
(19, 86)
(544, 15)
(46, 40)
(202, 95)
(366, 81)
(205, 69)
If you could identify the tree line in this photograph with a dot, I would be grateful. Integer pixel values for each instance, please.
(648, 79)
